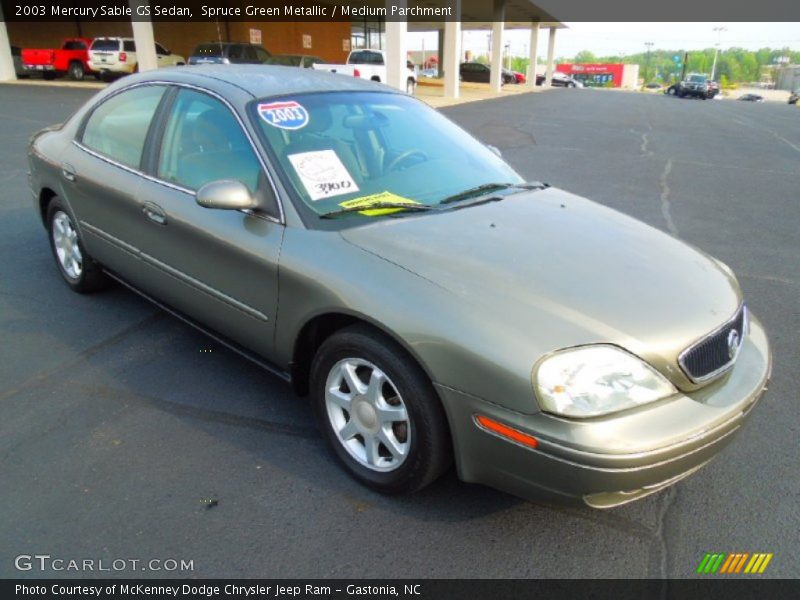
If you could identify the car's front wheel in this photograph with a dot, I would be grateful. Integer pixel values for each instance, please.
(78, 269)
(379, 411)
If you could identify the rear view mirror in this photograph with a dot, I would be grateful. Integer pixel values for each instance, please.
(226, 194)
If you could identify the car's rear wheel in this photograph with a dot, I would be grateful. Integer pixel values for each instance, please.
(78, 269)
(76, 72)
(379, 412)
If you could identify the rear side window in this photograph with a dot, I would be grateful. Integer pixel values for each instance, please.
(262, 54)
(204, 142)
(74, 45)
(118, 127)
(106, 45)
(129, 46)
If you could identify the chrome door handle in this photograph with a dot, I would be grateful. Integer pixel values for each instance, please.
(68, 172)
(155, 213)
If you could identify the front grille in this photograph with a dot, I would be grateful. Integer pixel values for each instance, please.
(716, 352)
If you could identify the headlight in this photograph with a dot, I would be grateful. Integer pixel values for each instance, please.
(597, 380)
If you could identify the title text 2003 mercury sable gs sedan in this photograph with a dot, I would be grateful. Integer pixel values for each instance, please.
(432, 303)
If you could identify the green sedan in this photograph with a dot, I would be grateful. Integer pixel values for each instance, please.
(434, 305)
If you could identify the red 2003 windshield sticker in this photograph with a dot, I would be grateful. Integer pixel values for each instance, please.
(323, 174)
(284, 115)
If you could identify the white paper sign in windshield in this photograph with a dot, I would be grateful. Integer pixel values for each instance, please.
(323, 174)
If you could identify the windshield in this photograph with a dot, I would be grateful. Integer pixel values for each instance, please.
(339, 150)
(697, 78)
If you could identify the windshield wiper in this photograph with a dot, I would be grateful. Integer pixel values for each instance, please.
(376, 206)
(476, 191)
(486, 188)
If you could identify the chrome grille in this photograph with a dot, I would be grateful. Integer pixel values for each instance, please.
(717, 351)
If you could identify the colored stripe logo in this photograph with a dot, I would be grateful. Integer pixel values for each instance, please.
(736, 563)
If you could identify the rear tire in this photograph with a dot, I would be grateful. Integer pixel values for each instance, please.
(75, 71)
(78, 269)
(379, 411)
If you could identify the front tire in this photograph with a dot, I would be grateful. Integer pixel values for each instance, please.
(77, 268)
(379, 412)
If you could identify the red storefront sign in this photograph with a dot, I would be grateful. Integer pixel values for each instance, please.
(598, 74)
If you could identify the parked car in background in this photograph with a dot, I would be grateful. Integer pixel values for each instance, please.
(519, 77)
(117, 56)
(794, 96)
(431, 73)
(302, 61)
(229, 53)
(431, 302)
(476, 72)
(16, 56)
(697, 85)
(369, 64)
(71, 59)
(751, 98)
(560, 80)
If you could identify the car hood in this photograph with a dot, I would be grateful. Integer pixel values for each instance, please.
(550, 261)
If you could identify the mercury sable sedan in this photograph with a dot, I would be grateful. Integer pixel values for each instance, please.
(432, 303)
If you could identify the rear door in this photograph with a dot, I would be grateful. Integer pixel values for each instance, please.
(219, 267)
(101, 174)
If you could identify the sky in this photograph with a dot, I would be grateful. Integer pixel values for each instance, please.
(629, 38)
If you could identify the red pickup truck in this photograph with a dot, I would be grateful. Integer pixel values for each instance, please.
(71, 59)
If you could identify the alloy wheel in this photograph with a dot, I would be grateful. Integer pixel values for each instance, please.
(367, 414)
(65, 242)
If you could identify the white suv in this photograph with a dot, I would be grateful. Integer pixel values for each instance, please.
(118, 55)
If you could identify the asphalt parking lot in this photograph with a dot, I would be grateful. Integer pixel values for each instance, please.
(127, 435)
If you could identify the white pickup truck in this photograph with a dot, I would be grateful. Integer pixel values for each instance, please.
(369, 64)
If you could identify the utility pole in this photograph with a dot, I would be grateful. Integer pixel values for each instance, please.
(719, 31)
(647, 63)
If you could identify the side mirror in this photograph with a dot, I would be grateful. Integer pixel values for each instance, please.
(495, 150)
(226, 194)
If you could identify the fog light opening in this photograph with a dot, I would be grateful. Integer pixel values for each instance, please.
(504, 431)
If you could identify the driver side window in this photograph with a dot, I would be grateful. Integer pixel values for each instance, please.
(203, 142)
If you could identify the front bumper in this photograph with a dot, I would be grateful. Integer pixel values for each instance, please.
(608, 461)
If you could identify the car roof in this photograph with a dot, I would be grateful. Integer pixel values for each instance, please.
(262, 81)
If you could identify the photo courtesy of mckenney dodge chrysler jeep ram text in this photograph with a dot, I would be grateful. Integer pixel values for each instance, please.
(433, 304)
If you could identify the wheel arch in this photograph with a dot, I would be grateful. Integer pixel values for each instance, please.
(319, 328)
(46, 195)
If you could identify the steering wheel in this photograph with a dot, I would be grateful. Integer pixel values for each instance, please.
(404, 157)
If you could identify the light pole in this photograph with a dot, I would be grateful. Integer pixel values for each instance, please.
(719, 31)
(647, 63)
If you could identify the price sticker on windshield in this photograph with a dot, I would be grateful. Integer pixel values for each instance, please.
(323, 174)
(284, 115)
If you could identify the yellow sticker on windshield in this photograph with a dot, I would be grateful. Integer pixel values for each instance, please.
(367, 201)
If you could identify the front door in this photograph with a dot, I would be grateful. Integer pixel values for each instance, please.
(219, 267)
